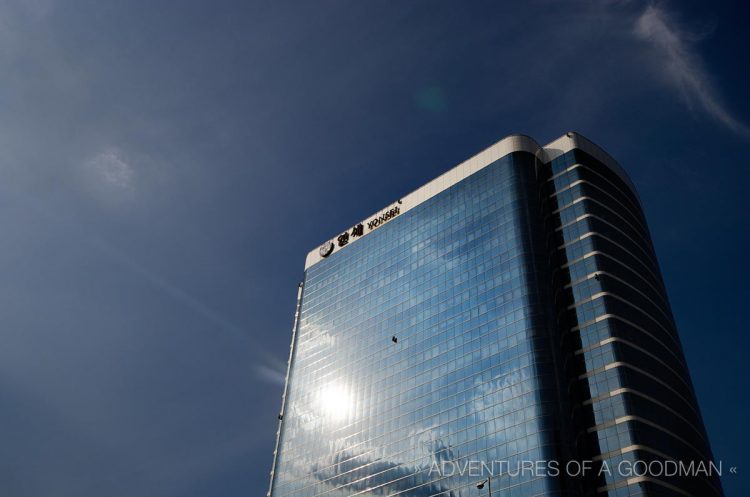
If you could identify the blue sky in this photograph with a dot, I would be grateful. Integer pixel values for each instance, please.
(165, 167)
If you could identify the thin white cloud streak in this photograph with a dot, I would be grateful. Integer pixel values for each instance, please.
(683, 66)
(270, 374)
(116, 255)
(175, 292)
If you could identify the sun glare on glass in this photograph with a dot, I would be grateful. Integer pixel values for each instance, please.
(334, 402)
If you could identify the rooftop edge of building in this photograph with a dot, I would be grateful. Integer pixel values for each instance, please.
(574, 140)
(511, 143)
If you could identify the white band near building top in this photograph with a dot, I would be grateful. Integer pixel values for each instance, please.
(510, 144)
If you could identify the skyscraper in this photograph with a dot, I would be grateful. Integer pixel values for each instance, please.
(511, 310)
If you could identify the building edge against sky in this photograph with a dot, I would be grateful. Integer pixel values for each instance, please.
(509, 144)
(589, 274)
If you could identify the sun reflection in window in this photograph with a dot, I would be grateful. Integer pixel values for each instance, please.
(334, 402)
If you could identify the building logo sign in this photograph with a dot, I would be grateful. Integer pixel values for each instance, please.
(327, 248)
(383, 218)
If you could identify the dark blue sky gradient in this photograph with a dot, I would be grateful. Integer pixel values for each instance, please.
(166, 166)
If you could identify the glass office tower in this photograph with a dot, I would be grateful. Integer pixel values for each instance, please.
(510, 311)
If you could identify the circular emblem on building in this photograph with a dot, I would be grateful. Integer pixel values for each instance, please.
(326, 249)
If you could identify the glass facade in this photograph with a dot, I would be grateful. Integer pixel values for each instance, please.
(619, 340)
(516, 315)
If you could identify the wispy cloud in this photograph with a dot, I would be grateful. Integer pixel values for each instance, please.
(270, 374)
(269, 368)
(110, 168)
(683, 66)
